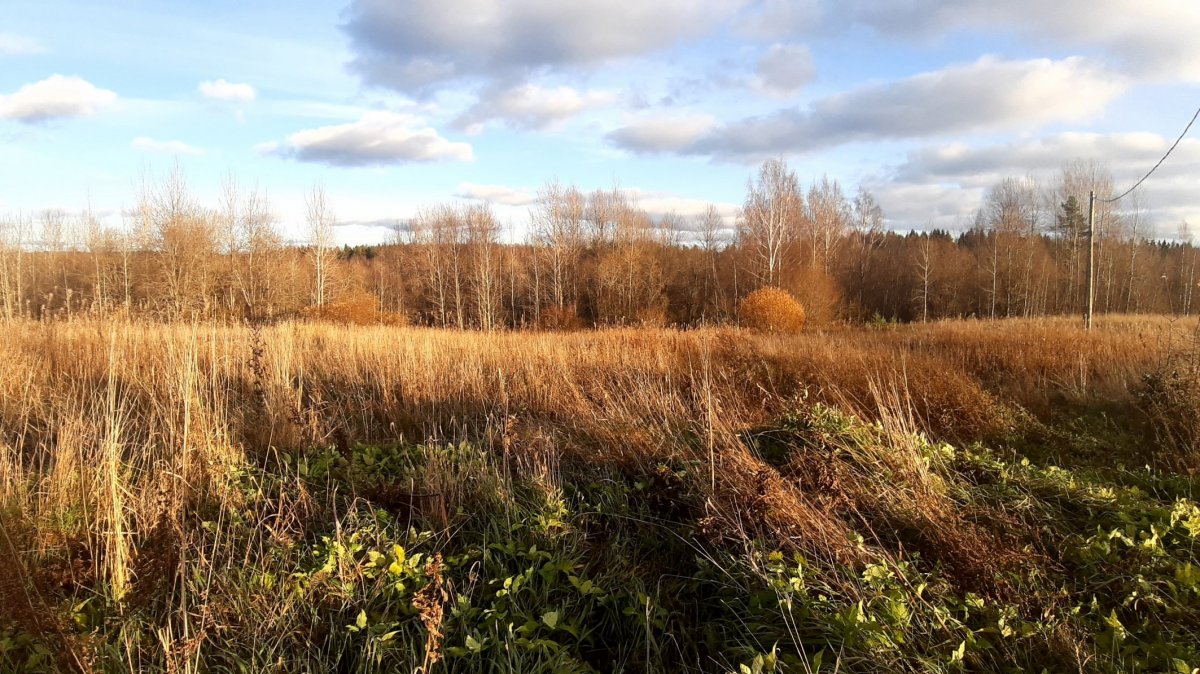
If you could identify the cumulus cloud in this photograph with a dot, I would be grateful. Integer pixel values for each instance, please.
(785, 68)
(56, 97)
(496, 194)
(529, 106)
(174, 147)
(964, 164)
(959, 173)
(412, 45)
(222, 90)
(1148, 39)
(986, 95)
(660, 204)
(377, 139)
(662, 133)
(776, 19)
(908, 206)
(19, 45)
(943, 185)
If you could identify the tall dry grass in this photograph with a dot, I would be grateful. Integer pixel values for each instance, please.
(117, 439)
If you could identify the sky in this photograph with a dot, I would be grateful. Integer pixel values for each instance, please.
(396, 105)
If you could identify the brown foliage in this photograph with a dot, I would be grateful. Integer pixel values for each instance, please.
(819, 294)
(772, 310)
(566, 318)
(356, 308)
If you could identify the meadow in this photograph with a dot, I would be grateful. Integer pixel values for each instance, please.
(1009, 495)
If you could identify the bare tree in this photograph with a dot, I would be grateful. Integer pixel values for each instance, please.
(1010, 216)
(869, 235)
(483, 231)
(252, 242)
(827, 218)
(924, 274)
(184, 239)
(713, 240)
(558, 220)
(1075, 181)
(769, 219)
(1136, 234)
(320, 221)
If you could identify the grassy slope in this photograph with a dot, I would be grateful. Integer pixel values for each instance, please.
(978, 496)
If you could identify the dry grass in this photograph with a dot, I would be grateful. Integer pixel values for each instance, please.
(114, 437)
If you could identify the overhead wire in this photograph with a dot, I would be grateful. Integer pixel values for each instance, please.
(1160, 161)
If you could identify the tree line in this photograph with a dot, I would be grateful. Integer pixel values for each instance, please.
(598, 259)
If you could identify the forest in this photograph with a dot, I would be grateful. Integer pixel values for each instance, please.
(596, 259)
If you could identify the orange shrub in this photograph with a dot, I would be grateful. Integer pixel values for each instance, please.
(564, 319)
(356, 308)
(772, 310)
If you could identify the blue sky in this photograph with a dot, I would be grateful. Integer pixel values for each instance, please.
(397, 104)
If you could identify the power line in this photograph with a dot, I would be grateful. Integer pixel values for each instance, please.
(1160, 161)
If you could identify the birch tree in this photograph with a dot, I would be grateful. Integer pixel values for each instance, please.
(320, 220)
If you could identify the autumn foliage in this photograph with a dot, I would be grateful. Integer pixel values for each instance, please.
(356, 308)
(772, 310)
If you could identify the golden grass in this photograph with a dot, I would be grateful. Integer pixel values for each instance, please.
(110, 433)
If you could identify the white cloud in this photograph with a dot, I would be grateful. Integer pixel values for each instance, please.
(1148, 39)
(926, 206)
(496, 194)
(954, 176)
(785, 68)
(987, 95)
(659, 204)
(221, 90)
(414, 44)
(173, 147)
(776, 19)
(662, 133)
(19, 45)
(982, 165)
(56, 97)
(377, 139)
(529, 106)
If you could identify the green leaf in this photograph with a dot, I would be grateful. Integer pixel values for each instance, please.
(550, 618)
(959, 653)
(361, 620)
(473, 644)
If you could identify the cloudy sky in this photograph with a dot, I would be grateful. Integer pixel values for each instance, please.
(395, 104)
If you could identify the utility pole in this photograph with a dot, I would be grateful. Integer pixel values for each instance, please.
(1091, 266)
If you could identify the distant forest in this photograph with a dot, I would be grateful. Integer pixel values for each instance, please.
(596, 259)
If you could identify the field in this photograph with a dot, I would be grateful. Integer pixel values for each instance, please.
(1011, 495)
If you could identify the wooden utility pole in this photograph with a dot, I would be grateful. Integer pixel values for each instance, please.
(1091, 266)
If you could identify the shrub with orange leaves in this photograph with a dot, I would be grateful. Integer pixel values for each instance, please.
(355, 308)
(772, 310)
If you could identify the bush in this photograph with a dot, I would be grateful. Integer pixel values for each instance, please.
(772, 310)
(564, 319)
(817, 292)
(356, 308)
